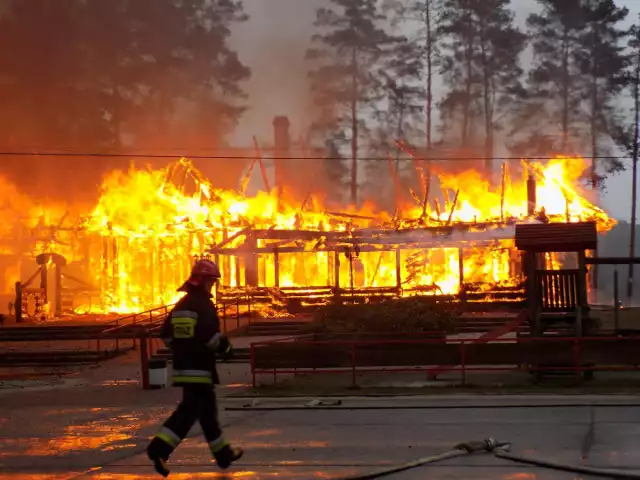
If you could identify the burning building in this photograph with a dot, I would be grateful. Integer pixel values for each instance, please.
(131, 250)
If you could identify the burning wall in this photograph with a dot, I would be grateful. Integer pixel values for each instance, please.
(136, 245)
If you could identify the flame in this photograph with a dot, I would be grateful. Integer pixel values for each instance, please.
(141, 236)
(556, 191)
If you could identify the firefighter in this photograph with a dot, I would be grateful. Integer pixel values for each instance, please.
(192, 332)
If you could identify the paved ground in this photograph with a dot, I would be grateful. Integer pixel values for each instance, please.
(95, 423)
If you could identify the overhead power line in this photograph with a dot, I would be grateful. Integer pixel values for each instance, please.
(254, 157)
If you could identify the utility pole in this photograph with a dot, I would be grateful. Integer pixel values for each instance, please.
(634, 178)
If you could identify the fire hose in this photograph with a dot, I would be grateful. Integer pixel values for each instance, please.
(499, 449)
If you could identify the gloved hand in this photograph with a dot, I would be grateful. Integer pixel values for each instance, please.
(225, 349)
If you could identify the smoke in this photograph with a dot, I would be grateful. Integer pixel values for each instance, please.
(274, 43)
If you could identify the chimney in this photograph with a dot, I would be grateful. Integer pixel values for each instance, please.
(281, 135)
(282, 144)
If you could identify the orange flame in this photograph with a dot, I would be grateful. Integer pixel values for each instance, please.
(145, 229)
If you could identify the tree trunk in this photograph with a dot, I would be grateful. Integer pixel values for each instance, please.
(488, 117)
(595, 104)
(429, 59)
(466, 119)
(565, 89)
(399, 135)
(593, 127)
(354, 128)
(634, 181)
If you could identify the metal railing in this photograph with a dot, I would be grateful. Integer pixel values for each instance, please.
(137, 324)
(579, 355)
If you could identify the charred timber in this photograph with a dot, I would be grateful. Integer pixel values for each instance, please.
(244, 231)
(311, 235)
(371, 246)
(350, 215)
(310, 289)
(612, 261)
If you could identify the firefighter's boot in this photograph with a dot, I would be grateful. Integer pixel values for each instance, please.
(158, 452)
(226, 455)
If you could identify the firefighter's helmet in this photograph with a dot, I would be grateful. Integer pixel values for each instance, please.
(201, 271)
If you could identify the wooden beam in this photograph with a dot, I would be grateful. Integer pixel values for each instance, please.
(349, 215)
(263, 170)
(244, 231)
(453, 207)
(373, 245)
(612, 261)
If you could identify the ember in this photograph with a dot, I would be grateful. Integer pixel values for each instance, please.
(138, 241)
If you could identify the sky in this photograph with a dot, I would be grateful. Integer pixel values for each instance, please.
(274, 41)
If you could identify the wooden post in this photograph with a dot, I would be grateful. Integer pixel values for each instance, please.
(144, 360)
(616, 301)
(399, 270)
(453, 207)
(531, 195)
(58, 290)
(532, 294)
(44, 283)
(461, 273)
(152, 273)
(250, 261)
(502, 191)
(425, 201)
(115, 271)
(582, 291)
(17, 307)
(276, 266)
(236, 258)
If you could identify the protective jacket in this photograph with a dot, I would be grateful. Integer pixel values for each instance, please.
(192, 332)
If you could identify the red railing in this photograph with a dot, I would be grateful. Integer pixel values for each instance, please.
(465, 365)
(148, 316)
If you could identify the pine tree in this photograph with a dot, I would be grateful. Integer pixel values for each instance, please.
(602, 62)
(115, 67)
(627, 136)
(193, 62)
(579, 69)
(635, 45)
(422, 47)
(480, 65)
(350, 50)
(555, 35)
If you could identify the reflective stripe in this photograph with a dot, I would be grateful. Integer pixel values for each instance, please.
(169, 437)
(193, 373)
(218, 444)
(184, 313)
(192, 376)
(177, 379)
(214, 341)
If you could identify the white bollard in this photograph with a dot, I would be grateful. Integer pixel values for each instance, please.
(158, 373)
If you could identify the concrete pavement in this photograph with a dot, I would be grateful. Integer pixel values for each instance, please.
(73, 442)
(95, 425)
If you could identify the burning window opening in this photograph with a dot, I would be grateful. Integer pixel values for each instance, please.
(131, 251)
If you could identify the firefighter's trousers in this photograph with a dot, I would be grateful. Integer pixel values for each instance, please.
(198, 403)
